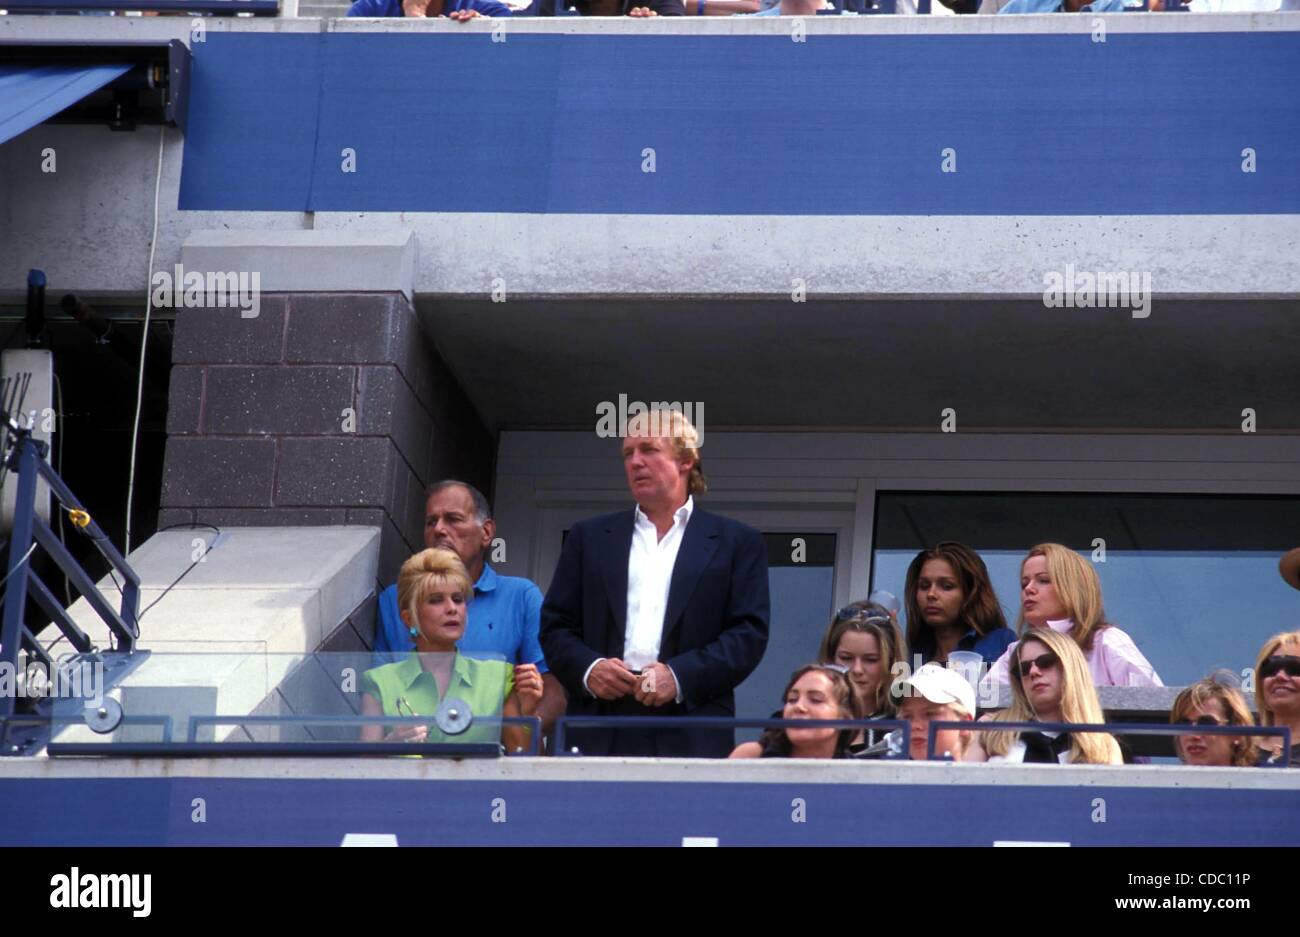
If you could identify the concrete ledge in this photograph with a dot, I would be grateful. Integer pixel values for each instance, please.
(335, 261)
(241, 621)
(663, 770)
(30, 28)
(1120, 700)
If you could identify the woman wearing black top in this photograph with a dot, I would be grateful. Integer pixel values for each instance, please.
(815, 691)
(1277, 694)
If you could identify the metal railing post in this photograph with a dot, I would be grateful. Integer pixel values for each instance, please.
(20, 544)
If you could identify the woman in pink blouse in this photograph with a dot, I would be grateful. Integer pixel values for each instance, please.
(1060, 590)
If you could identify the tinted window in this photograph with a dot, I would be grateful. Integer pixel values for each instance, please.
(1193, 578)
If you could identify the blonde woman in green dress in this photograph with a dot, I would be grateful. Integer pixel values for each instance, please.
(433, 593)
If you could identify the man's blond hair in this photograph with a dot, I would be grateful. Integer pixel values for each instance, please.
(671, 424)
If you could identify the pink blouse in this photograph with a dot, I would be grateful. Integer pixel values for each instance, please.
(1113, 661)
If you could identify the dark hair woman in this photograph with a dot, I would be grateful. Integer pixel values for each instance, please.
(815, 691)
(951, 605)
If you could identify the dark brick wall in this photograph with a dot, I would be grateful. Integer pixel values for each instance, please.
(255, 423)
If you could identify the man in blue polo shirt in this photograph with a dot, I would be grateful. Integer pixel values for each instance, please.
(459, 10)
(505, 613)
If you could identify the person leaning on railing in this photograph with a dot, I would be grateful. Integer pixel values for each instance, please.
(1051, 684)
(1213, 702)
(458, 10)
(1277, 693)
(433, 592)
(863, 639)
(815, 691)
(1060, 591)
(504, 612)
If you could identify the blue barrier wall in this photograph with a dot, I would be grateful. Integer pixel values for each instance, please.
(1041, 124)
(158, 811)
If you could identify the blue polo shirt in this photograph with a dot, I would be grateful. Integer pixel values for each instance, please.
(394, 7)
(1057, 6)
(504, 619)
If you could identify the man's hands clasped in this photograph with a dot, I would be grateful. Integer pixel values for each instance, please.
(610, 679)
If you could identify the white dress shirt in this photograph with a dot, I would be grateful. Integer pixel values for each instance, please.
(650, 564)
(649, 573)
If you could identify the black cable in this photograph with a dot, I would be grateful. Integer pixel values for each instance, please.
(188, 568)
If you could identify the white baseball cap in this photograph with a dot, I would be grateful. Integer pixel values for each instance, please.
(938, 684)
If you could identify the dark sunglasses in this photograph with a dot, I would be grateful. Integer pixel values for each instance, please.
(1043, 662)
(1279, 663)
(1201, 721)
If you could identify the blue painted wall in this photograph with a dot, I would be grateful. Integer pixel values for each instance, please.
(844, 125)
(113, 811)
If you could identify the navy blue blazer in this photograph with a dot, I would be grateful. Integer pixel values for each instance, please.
(715, 627)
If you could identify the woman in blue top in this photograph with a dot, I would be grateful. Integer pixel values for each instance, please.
(951, 606)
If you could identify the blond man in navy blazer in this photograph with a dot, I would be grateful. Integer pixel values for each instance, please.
(661, 609)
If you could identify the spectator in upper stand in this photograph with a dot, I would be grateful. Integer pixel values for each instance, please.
(1277, 693)
(789, 8)
(639, 8)
(1052, 684)
(951, 606)
(458, 10)
(1210, 702)
(1060, 591)
(505, 615)
(815, 691)
(1063, 6)
(864, 640)
(434, 590)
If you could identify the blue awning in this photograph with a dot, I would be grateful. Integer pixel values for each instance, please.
(31, 94)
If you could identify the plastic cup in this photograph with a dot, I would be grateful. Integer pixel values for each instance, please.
(969, 664)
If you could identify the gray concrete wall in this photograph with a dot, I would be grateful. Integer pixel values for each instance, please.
(327, 409)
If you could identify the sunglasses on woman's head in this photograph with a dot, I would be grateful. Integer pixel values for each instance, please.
(1279, 663)
(834, 668)
(861, 614)
(1042, 662)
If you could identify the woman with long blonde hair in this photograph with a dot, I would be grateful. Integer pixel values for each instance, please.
(1051, 684)
(1277, 693)
(1060, 591)
(864, 641)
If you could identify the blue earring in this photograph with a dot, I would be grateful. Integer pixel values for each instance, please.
(415, 632)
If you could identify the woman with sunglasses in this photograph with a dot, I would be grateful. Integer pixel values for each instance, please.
(864, 641)
(1052, 684)
(815, 691)
(1060, 591)
(951, 606)
(1277, 693)
(1213, 702)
